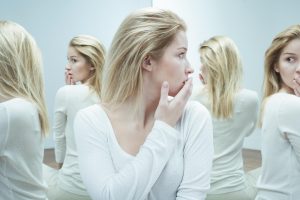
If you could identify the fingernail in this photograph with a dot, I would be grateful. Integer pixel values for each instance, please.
(165, 84)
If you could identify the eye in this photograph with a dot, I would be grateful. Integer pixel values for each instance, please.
(290, 59)
(72, 60)
(181, 55)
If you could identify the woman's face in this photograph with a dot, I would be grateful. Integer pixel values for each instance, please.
(289, 65)
(80, 68)
(173, 66)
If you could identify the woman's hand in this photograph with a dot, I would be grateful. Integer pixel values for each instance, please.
(170, 111)
(68, 76)
(297, 85)
(201, 78)
(59, 165)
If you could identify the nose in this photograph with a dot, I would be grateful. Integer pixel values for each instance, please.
(189, 69)
(298, 68)
(68, 67)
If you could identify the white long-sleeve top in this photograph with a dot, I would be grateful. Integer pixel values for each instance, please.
(21, 152)
(68, 101)
(280, 176)
(173, 163)
(229, 134)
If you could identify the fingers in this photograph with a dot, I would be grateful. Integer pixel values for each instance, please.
(297, 87)
(185, 93)
(164, 93)
(68, 77)
(201, 78)
(170, 112)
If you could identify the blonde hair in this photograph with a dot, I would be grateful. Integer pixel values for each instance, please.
(21, 68)
(272, 80)
(93, 51)
(220, 57)
(146, 32)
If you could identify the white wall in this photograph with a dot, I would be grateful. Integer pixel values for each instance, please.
(250, 23)
(53, 23)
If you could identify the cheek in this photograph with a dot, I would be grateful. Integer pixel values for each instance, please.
(80, 71)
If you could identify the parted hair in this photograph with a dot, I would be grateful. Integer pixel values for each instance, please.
(272, 80)
(145, 32)
(220, 57)
(21, 70)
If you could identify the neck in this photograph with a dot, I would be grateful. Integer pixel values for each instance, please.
(285, 89)
(140, 113)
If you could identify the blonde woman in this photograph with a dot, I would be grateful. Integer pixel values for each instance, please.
(23, 115)
(85, 60)
(234, 112)
(136, 144)
(280, 177)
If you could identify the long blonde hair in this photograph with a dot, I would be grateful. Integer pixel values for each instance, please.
(146, 32)
(272, 80)
(221, 59)
(21, 73)
(94, 52)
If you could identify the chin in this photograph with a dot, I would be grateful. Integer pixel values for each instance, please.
(173, 92)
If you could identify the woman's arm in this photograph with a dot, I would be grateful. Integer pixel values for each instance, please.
(59, 125)
(289, 122)
(198, 154)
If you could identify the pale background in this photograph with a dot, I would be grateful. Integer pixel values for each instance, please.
(250, 23)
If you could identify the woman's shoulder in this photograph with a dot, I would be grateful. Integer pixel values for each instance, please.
(93, 113)
(246, 99)
(95, 109)
(75, 93)
(285, 108)
(92, 117)
(73, 89)
(287, 103)
(20, 104)
(194, 109)
(248, 95)
(20, 109)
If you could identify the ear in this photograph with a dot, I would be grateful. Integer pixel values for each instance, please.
(276, 68)
(147, 64)
(91, 68)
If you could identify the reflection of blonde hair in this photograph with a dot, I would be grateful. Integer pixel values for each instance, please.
(92, 50)
(272, 80)
(21, 68)
(146, 32)
(220, 58)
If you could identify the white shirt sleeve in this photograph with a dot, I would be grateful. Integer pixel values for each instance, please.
(135, 179)
(59, 125)
(198, 155)
(3, 128)
(289, 123)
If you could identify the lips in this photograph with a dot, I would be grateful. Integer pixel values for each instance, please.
(185, 81)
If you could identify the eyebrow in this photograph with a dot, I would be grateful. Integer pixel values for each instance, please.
(184, 48)
(289, 53)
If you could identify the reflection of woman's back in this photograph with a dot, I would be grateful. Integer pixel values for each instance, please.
(86, 59)
(69, 100)
(234, 113)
